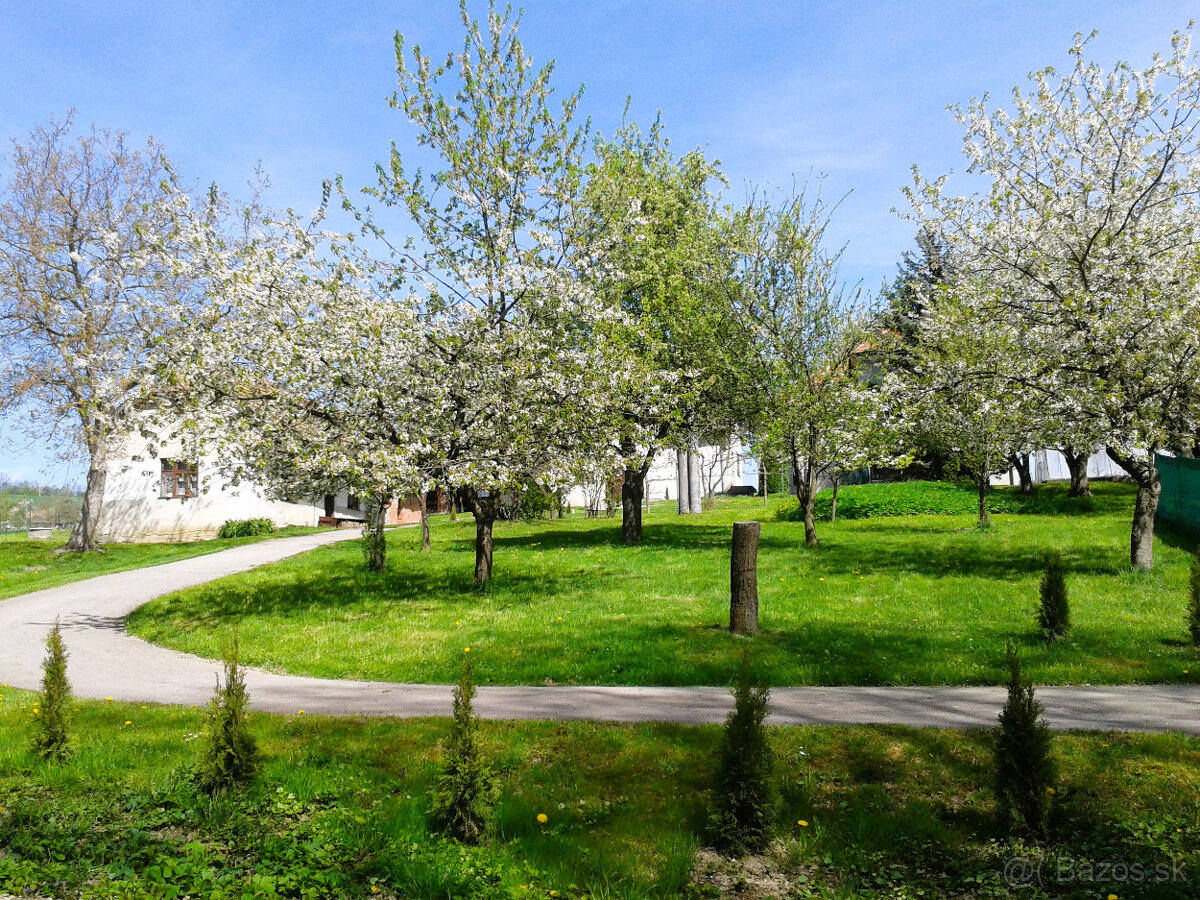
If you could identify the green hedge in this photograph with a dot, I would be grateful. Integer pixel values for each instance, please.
(236, 528)
(934, 498)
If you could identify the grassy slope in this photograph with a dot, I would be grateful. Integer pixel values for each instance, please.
(27, 565)
(914, 600)
(338, 810)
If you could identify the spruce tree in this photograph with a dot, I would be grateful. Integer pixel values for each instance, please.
(229, 754)
(1025, 769)
(1054, 614)
(745, 798)
(466, 788)
(52, 739)
(1194, 601)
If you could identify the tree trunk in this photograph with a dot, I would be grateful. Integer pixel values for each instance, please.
(681, 482)
(837, 480)
(806, 494)
(982, 483)
(423, 500)
(1077, 465)
(1022, 462)
(374, 536)
(632, 489)
(1141, 537)
(695, 491)
(452, 502)
(83, 535)
(743, 578)
(484, 510)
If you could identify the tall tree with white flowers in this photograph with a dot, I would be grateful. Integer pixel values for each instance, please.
(522, 366)
(652, 241)
(805, 394)
(303, 379)
(89, 264)
(1091, 222)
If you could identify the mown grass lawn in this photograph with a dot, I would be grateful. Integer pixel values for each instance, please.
(339, 810)
(904, 600)
(27, 565)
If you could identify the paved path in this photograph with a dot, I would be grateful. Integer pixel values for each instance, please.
(107, 662)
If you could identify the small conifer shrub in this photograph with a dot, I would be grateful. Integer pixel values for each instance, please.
(745, 798)
(52, 739)
(466, 789)
(1054, 613)
(228, 752)
(1025, 773)
(1194, 601)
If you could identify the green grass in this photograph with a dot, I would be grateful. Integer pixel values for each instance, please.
(27, 565)
(340, 809)
(913, 600)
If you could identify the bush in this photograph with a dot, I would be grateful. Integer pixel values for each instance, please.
(932, 498)
(1054, 615)
(1194, 602)
(236, 528)
(466, 789)
(746, 801)
(228, 752)
(1025, 770)
(52, 740)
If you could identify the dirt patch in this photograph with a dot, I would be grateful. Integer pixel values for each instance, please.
(769, 875)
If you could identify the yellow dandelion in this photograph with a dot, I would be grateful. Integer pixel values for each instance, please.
(374, 889)
(127, 722)
(466, 649)
(542, 818)
(803, 823)
(143, 707)
(300, 712)
(554, 893)
(1112, 897)
(1051, 791)
(108, 698)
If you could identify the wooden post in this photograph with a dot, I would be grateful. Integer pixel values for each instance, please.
(743, 578)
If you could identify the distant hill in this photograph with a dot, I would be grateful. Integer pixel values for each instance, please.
(22, 504)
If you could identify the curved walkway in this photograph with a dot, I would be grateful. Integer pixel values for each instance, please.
(106, 662)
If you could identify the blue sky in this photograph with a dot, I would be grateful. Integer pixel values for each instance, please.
(855, 91)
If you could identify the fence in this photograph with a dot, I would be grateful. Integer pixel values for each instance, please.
(1180, 501)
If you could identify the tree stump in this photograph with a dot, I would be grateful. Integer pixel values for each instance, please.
(743, 578)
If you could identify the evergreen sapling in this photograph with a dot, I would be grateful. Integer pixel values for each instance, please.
(466, 789)
(1025, 771)
(229, 754)
(1054, 614)
(1194, 601)
(52, 741)
(746, 800)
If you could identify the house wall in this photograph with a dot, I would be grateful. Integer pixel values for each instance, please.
(133, 510)
(721, 468)
(1050, 465)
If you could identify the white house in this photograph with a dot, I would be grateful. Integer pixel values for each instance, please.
(721, 468)
(175, 496)
(1050, 465)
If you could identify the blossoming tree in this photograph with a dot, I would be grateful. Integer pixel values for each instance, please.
(1090, 219)
(522, 367)
(89, 262)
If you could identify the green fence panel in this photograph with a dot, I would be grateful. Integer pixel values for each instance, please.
(1180, 501)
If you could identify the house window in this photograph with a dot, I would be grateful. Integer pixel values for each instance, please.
(179, 479)
(353, 503)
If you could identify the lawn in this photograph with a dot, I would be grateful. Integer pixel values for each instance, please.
(339, 811)
(27, 565)
(900, 600)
